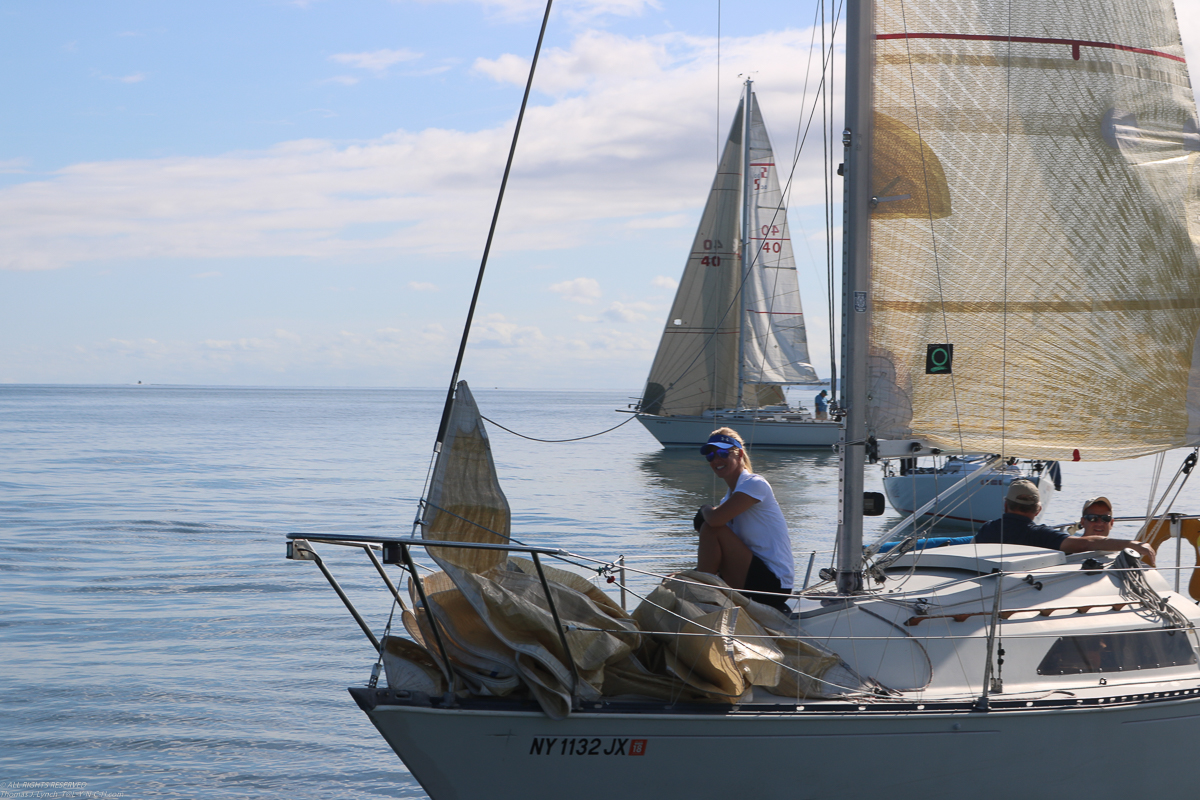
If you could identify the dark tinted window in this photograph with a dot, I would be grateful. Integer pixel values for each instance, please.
(1117, 652)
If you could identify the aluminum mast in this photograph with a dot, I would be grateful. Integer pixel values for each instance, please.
(856, 278)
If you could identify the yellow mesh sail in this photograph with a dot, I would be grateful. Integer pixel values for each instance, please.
(1036, 207)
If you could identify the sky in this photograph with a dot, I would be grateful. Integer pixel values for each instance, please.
(274, 192)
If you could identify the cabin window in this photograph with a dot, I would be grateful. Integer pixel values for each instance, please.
(1117, 652)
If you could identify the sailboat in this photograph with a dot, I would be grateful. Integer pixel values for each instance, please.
(1020, 257)
(735, 335)
(962, 491)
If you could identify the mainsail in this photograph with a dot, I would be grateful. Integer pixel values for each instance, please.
(1035, 207)
(696, 367)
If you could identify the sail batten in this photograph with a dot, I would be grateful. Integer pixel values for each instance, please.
(1036, 208)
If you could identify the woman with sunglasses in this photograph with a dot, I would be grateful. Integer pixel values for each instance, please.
(744, 539)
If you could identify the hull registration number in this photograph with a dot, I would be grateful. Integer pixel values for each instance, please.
(548, 746)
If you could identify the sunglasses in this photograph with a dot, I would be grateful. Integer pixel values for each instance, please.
(1097, 517)
(719, 452)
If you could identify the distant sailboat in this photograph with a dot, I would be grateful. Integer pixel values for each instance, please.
(735, 335)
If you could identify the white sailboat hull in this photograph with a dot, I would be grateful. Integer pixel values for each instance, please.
(457, 753)
(756, 429)
(978, 501)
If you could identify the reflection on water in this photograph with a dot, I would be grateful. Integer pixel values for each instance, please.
(680, 481)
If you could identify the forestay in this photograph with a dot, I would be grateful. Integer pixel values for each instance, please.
(1035, 207)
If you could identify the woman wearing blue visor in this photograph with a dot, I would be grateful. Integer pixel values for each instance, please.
(744, 540)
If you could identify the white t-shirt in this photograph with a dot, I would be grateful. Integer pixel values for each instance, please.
(763, 529)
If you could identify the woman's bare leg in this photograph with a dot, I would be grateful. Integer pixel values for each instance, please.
(723, 554)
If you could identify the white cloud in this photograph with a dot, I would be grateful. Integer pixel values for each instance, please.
(433, 333)
(633, 135)
(670, 221)
(13, 166)
(579, 290)
(505, 69)
(663, 282)
(376, 60)
(576, 11)
(628, 312)
(494, 331)
(207, 275)
(421, 286)
(344, 80)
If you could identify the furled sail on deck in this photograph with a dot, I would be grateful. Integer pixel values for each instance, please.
(465, 502)
(696, 367)
(1033, 167)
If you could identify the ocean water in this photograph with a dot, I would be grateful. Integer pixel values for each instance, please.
(154, 641)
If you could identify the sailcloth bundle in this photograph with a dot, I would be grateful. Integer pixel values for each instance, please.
(708, 643)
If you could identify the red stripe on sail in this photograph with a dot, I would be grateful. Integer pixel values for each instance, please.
(1075, 44)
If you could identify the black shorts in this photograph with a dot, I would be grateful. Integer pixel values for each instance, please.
(760, 578)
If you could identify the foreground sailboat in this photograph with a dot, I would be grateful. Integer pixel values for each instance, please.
(735, 335)
(1019, 259)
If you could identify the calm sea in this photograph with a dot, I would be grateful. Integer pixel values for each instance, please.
(154, 642)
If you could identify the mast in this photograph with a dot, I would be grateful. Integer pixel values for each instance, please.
(856, 275)
(746, 258)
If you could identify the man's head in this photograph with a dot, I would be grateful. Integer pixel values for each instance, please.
(1023, 499)
(1097, 519)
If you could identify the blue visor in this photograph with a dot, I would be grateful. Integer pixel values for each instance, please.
(719, 441)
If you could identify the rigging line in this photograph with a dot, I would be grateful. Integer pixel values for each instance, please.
(830, 183)
(800, 120)
(558, 441)
(1185, 469)
(823, 96)
(1159, 462)
(425, 488)
(937, 267)
(462, 347)
(1007, 201)
(719, 144)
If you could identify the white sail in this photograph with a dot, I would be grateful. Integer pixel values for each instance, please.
(696, 367)
(1036, 208)
(776, 347)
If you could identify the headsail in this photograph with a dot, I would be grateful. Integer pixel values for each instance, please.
(1033, 168)
(776, 348)
(696, 367)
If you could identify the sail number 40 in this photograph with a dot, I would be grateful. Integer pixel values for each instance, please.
(548, 746)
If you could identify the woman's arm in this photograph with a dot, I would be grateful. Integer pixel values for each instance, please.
(721, 515)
